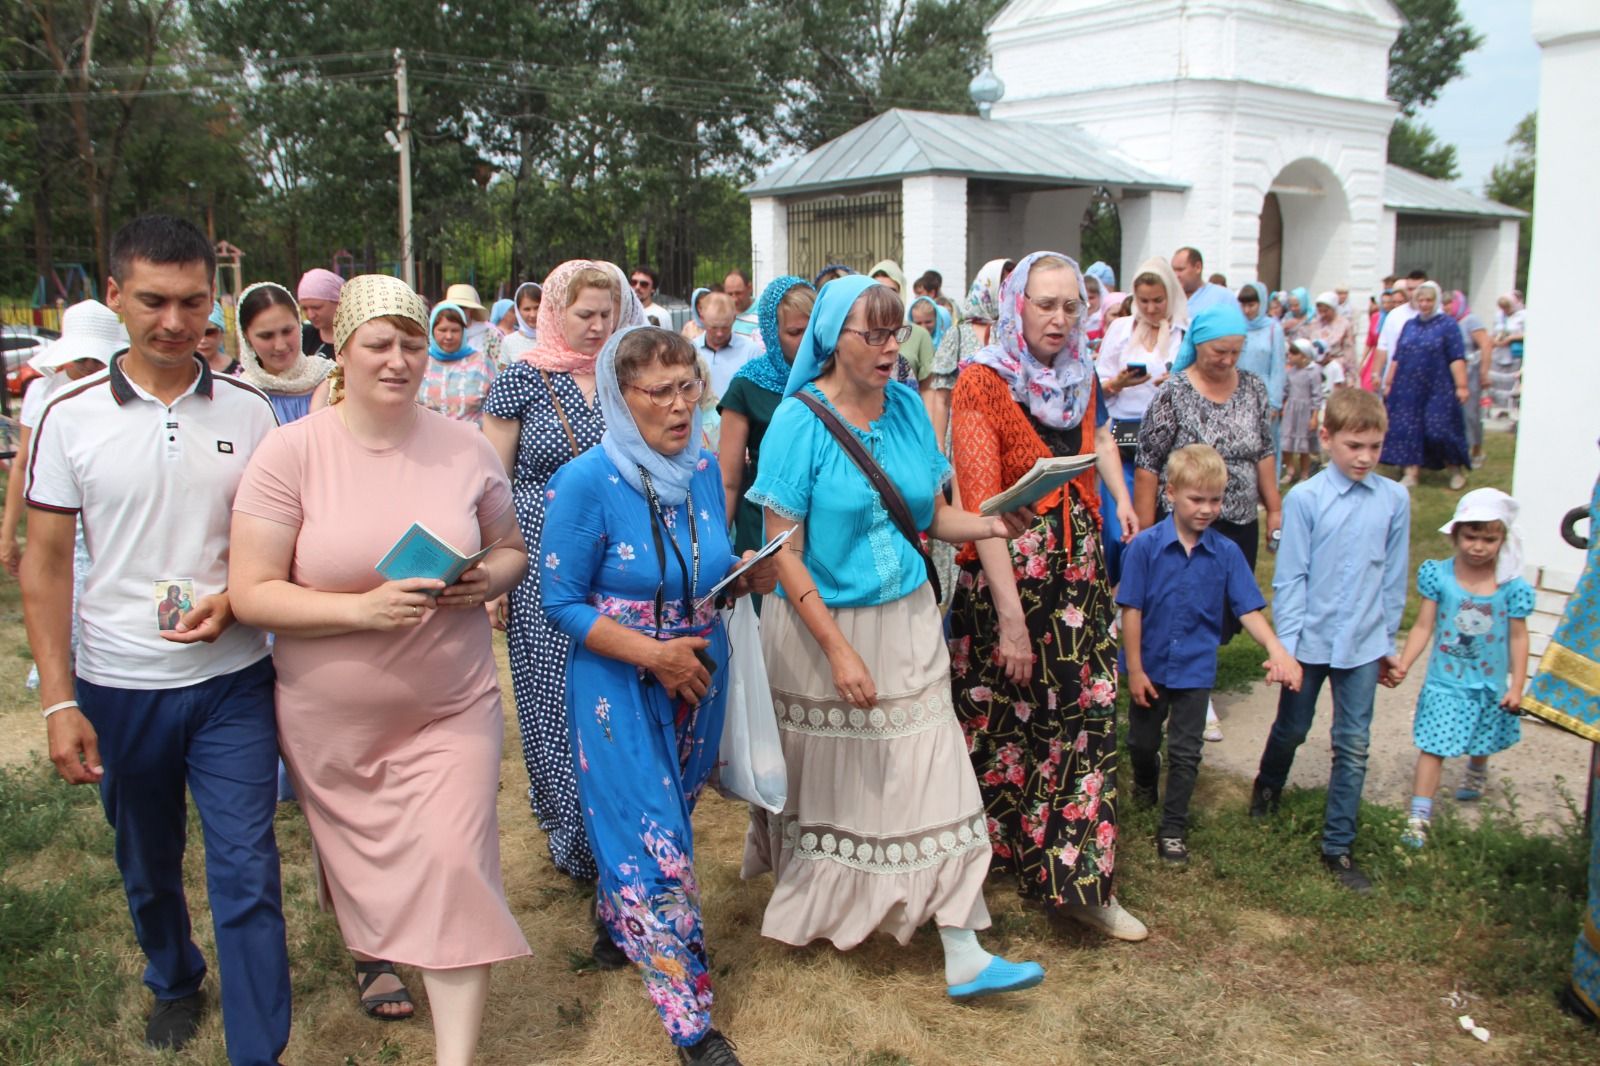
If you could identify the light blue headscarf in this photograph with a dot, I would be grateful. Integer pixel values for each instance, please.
(941, 317)
(439, 353)
(694, 306)
(216, 318)
(669, 474)
(834, 301)
(1261, 320)
(770, 370)
(1222, 319)
(498, 311)
(1102, 273)
(1307, 308)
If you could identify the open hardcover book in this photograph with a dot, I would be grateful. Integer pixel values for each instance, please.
(420, 552)
(1046, 476)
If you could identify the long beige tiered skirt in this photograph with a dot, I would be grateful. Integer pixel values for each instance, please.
(884, 827)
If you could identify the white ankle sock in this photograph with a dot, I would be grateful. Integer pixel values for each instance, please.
(964, 960)
(1211, 714)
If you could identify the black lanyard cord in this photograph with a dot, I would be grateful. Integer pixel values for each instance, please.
(657, 520)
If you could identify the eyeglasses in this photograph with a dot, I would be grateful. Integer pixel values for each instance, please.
(877, 338)
(665, 394)
(1072, 308)
(641, 283)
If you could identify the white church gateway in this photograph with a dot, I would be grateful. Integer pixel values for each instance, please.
(1254, 130)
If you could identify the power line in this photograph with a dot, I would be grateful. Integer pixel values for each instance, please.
(204, 66)
(70, 95)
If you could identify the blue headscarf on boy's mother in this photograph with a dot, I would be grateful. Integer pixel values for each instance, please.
(1218, 320)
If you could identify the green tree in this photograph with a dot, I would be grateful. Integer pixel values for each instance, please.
(1511, 183)
(1428, 54)
(1415, 146)
(853, 59)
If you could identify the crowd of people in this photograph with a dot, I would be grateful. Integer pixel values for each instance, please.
(944, 712)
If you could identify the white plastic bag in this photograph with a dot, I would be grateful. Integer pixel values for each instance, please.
(751, 760)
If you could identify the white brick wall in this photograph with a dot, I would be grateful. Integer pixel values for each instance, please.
(933, 216)
(769, 239)
(1556, 457)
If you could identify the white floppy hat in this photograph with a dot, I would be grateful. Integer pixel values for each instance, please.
(89, 330)
(1492, 505)
(1330, 299)
(464, 295)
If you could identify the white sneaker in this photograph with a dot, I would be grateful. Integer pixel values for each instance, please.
(1213, 732)
(1111, 920)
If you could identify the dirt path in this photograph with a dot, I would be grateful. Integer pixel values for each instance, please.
(1547, 767)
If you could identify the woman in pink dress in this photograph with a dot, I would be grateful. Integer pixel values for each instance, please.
(389, 712)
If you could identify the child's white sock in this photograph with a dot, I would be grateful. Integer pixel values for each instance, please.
(1211, 714)
(964, 960)
(1422, 807)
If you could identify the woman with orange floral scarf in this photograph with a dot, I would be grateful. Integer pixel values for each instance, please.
(1033, 661)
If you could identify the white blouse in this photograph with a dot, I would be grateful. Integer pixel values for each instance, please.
(1117, 350)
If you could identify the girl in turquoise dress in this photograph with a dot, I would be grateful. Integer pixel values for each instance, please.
(1474, 613)
(633, 538)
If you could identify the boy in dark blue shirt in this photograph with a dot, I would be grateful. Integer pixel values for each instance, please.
(1180, 579)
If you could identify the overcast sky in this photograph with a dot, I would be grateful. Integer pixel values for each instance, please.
(1477, 111)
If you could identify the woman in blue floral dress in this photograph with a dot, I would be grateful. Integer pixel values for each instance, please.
(634, 536)
(1424, 390)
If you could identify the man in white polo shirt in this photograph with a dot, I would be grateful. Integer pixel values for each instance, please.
(168, 690)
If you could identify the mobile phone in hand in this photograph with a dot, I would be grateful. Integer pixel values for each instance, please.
(706, 660)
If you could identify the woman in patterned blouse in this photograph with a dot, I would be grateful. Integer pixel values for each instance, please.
(1208, 400)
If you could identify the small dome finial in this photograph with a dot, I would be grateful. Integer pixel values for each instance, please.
(986, 89)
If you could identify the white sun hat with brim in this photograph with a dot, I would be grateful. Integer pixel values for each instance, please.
(464, 295)
(89, 330)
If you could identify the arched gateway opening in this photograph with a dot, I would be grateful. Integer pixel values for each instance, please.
(1304, 231)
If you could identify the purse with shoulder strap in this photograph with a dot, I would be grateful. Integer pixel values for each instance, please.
(893, 502)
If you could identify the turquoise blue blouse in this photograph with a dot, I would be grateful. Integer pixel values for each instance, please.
(853, 550)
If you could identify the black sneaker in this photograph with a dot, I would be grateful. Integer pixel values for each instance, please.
(174, 1022)
(1146, 795)
(714, 1049)
(1172, 851)
(1264, 801)
(1567, 999)
(1347, 873)
(607, 956)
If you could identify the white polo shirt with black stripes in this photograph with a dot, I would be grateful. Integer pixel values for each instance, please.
(154, 486)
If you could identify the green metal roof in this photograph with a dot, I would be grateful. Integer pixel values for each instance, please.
(1410, 193)
(899, 144)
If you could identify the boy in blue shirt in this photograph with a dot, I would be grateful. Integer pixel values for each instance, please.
(1338, 593)
(1180, 580)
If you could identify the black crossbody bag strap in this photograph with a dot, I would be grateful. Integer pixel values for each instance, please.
(893, 502)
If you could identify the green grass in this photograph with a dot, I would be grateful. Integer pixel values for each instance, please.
(59, 895)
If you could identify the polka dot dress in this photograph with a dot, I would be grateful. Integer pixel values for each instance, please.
(1458, 710)
(539, 651)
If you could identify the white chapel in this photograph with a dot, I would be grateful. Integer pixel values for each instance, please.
(1253, 130)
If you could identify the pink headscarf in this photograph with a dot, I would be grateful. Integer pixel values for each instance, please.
(1458, 305)
(552, 352)
(320, 284)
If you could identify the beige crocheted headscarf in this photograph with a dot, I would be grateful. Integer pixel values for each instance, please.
(364, 298)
